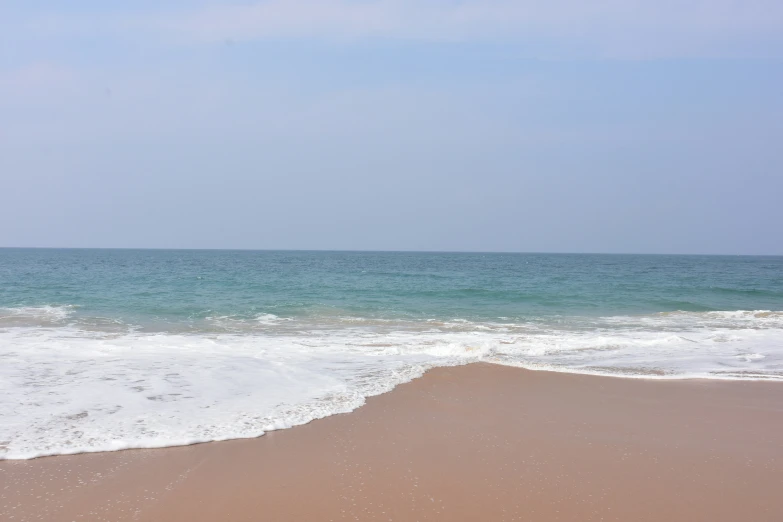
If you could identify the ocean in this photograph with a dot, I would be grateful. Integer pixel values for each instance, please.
(104, 350)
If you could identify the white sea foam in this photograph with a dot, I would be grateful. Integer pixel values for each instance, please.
(68, 388)
(35, 315)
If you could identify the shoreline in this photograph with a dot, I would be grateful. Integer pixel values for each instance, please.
(478, 441)
(652, 377)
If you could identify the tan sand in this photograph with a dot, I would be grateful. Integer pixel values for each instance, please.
(478, 442)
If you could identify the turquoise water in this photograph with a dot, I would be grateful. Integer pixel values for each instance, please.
(179, 289)
(107, 349)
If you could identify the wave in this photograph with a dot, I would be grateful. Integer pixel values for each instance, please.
(69, 386)
(46, 315)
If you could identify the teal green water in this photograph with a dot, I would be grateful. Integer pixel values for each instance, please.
(109, 349)
(158, 288)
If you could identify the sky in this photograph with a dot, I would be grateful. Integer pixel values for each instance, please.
(632, 126)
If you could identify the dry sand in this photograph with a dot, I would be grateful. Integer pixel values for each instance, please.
(477, 442)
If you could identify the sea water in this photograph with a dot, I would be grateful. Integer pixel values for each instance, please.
(111, 349)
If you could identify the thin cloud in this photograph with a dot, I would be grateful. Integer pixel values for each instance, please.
(556, 28)
(608, 28)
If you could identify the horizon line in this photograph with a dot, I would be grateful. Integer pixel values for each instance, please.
(379, 251)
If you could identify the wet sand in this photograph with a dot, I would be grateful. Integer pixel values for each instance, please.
(477, 442)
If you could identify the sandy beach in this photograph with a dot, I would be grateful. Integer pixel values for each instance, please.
(475, 442)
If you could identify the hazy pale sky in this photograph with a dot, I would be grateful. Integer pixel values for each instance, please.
(558, 126)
